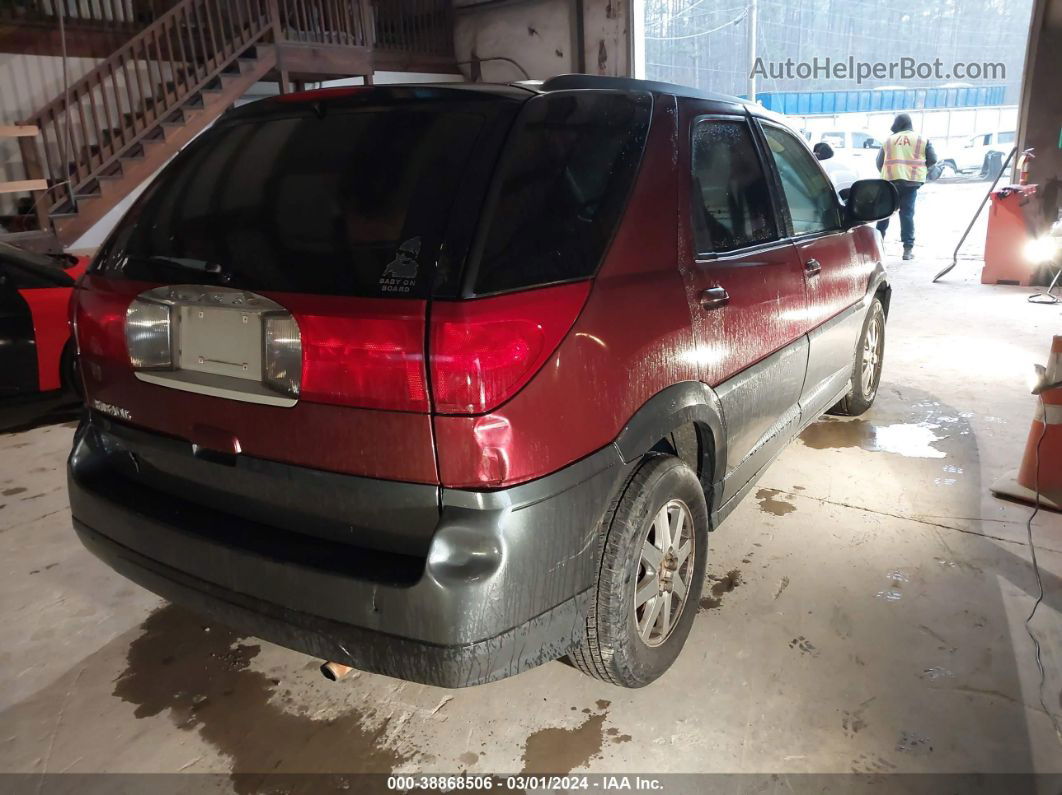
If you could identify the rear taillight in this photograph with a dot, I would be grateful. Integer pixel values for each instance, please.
(366, 353)
(483, 351)
(358, 352)
(99, 323)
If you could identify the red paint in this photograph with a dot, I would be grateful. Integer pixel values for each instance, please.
(843, 278)
(322, 94)
(48, 308)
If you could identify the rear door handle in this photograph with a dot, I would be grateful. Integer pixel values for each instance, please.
(812, 267)
(714, 297)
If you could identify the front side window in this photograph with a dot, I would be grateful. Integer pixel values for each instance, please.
(809, 196)
(731, 201)
(1006, 138)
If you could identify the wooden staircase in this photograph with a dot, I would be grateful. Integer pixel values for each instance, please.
(116, 126)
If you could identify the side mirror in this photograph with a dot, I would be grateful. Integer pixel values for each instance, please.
(822, 150)
(871, 200)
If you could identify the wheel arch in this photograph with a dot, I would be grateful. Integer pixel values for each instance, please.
(878, 287)
(666, 422)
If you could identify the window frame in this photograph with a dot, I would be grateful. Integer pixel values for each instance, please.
(758, 146)
(779, 188)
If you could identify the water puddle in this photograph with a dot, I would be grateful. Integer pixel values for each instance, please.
(911, 440)
(720, 587)
(559, 751)
(936, 672)
(771, 503)
(200, 677)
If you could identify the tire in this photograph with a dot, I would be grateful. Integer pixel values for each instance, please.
(613, 649)
(871, 352)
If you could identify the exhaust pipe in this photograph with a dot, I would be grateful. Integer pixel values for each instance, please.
(333, 671)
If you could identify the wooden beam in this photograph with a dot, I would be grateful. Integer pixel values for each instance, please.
(18, 130)
(23, 185)
(396, 61)
(324, 60)
(33, 39)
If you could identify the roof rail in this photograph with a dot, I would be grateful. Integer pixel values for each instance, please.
(578, 81)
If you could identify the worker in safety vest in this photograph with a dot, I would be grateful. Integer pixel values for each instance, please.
(905, 160)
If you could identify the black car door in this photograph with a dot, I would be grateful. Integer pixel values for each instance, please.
(18, 345)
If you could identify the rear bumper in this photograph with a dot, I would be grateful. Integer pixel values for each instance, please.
(504, 586)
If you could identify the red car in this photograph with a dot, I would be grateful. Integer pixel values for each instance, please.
(444, 382)
(36, 348)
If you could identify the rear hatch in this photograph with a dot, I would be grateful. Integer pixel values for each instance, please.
(333, 211)
(273, 294)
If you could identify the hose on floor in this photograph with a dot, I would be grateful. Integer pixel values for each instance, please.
(1039, 581)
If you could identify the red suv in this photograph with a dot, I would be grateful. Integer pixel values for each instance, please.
(445, 382)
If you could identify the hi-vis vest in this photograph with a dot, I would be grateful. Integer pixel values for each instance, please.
(905, 157)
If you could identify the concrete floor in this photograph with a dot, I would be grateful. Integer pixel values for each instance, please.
(865, 610)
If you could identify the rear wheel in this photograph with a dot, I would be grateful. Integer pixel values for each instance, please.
(651, 575)
(866, 369)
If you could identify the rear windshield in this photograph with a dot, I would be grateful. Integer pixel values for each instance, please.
(345, 203)
(360, 202)
(567, 170)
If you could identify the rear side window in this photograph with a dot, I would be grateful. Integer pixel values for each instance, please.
(566, 173)
(344, 203)
(809, 197)
(731, 201)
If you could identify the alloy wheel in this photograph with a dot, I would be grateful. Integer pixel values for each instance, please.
(665, 568)
(873, 342)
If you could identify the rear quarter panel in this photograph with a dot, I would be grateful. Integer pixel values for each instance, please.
(632, 339)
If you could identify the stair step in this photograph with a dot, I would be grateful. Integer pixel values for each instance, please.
(113, 171)
(64, 210)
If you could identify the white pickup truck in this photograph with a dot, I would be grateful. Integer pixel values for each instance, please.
(972, 156)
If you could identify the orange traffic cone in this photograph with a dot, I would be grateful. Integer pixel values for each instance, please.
(1044, 445)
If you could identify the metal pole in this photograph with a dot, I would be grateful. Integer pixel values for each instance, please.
(752, 50)
(984, 201)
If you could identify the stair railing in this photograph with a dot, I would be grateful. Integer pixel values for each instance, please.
(144, 84)
(108, 112)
